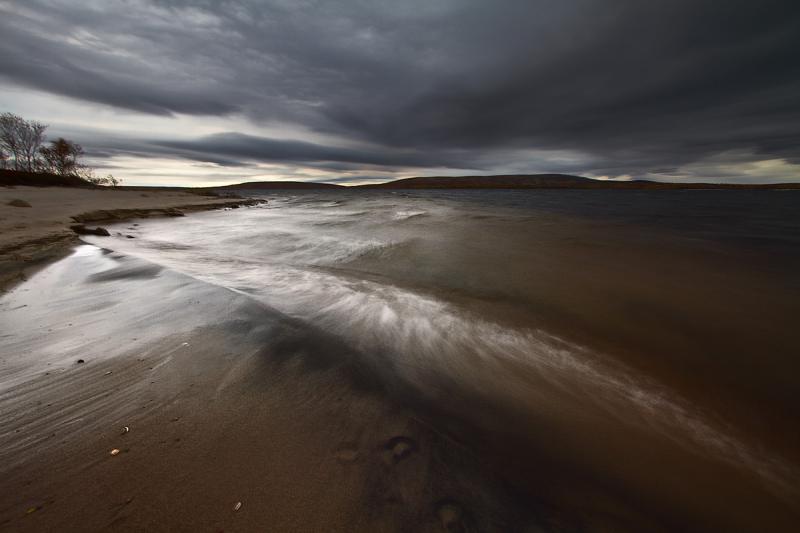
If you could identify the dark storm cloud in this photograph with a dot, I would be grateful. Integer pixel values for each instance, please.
(239, 147)
(236, 149)
(632, 86)
(54, 66)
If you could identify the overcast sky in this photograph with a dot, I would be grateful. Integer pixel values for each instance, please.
(220, 91)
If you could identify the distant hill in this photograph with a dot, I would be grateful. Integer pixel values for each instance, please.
(532, 181)
(555, 181)
(505, 181)
(270, 185)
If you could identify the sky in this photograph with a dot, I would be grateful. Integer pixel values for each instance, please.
(174, 92)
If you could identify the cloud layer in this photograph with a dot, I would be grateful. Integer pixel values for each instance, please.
(672, 89)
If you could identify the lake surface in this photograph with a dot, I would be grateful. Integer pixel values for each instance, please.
(607, 349)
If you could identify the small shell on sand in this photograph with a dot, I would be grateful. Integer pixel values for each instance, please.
(237, 506)
(115, 451)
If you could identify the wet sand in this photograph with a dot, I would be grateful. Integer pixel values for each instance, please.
(226, 401)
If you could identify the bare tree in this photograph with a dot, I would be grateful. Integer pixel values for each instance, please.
(32, 138)
(21, 149)
(21, 139)
(9, 140)
(61, 157)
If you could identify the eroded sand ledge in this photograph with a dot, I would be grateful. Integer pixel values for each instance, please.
(31, 236)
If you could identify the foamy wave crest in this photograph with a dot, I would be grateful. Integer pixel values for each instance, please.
(405, 215)
(428, 337)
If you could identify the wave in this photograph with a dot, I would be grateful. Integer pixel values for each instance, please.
(299, 259)
(405, 215)
(427, 338)
(424, 338)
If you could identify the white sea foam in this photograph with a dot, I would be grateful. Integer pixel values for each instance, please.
(405, 215)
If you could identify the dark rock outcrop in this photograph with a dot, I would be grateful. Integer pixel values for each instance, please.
(80, 229)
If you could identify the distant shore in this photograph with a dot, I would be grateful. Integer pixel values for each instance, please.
(513, 181)
(498, 181)
(30, 236)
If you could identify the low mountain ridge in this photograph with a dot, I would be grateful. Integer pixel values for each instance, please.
(557, 181)
(10, 178)
(504, 181)
(507, 181)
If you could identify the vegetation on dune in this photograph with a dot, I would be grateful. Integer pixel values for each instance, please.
(24, 148)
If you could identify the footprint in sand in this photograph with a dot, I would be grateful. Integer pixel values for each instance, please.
(398, 448)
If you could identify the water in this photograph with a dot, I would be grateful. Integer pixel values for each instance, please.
(612, 341)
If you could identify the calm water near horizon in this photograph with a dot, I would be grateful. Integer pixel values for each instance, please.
(621, 341)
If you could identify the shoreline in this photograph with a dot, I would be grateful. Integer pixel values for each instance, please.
(226, 401)
(29, 245)
(188, 378)
(213, 400)
(226, 395)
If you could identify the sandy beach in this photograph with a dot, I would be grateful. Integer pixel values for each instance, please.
(39, 231)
